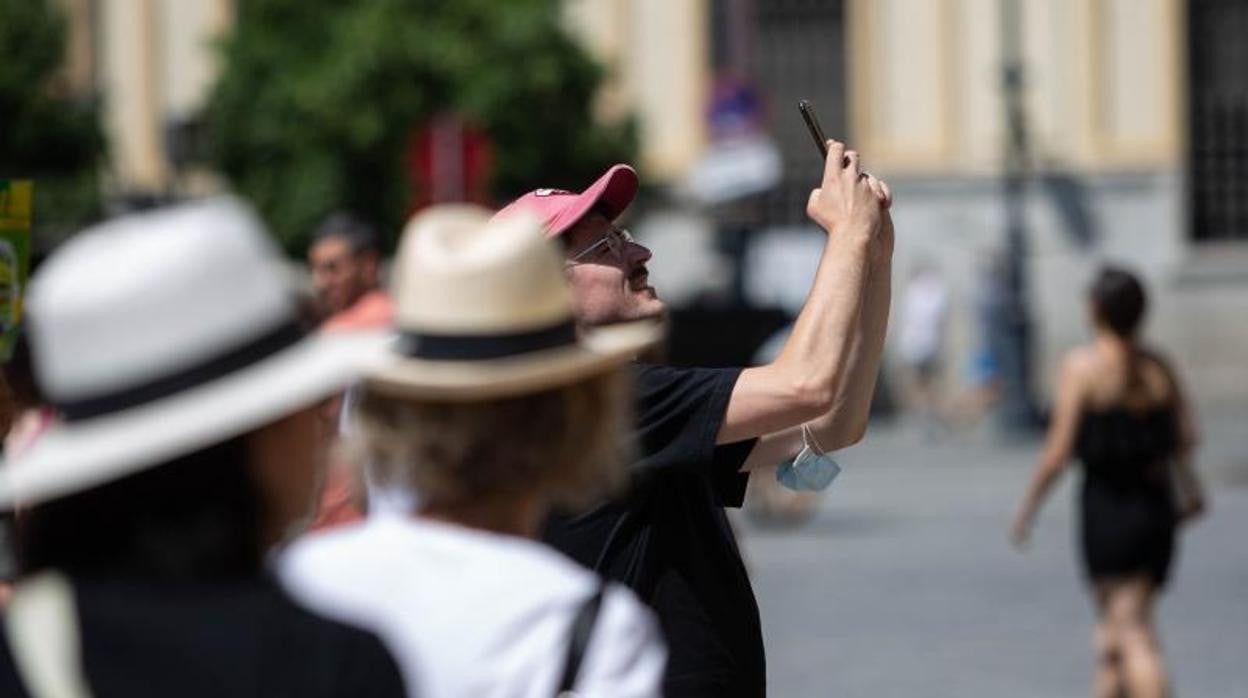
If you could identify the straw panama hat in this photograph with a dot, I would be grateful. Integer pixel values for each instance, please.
(155, 335)
(483, 310)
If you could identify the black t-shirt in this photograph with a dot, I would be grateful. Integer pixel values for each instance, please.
(669, 539)
(236, 639)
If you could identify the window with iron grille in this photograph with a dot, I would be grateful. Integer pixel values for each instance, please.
(1218, 79)
(799, 54)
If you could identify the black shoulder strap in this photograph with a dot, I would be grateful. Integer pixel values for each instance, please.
(582, 629)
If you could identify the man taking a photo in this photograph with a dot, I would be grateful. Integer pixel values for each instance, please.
(702, 431)
(345, 260)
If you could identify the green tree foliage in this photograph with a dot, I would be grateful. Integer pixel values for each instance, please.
(46, 135)
(319, 99)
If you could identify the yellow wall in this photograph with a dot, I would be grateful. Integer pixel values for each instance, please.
(150, 60)
(132, 117)
(1103, 80)
(657, 56)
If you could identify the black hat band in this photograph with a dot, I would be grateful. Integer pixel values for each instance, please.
(240, 357)
(470, 347)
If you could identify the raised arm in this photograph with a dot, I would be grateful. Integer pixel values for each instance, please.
(846, 423)
(807, 378)
(1057, 447)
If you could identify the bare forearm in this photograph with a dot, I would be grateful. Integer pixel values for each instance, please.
(1041, 482)
(803, 382)
(846, 423)
(820, 350)
(1190, 489)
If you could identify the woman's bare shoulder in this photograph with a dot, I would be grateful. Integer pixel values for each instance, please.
(1081, 362)
(1159, 372)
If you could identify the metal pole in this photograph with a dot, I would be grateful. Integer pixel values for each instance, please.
(1017, 409)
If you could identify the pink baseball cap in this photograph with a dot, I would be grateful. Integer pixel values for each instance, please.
(560, 209)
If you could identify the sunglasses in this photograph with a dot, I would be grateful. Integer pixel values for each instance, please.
(614, 242)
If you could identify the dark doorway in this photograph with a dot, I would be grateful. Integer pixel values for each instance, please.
(1218, 110)
(799, 54)
(785, 50)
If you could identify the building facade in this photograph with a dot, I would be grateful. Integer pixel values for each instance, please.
(151, 63)
(1136, 125)
(1136, 115)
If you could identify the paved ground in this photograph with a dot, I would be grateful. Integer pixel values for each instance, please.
(903, 584)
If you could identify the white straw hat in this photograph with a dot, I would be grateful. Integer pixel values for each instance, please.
(483, 310)
(158, 334)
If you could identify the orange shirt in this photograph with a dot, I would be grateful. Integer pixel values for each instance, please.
(373, 311)
(340, 500)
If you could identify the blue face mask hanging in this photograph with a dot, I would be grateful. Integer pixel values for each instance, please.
(812, 470)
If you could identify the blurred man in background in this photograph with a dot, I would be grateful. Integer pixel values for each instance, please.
(345, 259)
(701, 431)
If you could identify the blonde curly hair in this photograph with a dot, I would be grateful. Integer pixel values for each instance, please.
(569, 443)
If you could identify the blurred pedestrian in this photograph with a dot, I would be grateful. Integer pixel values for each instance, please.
(184, 450)
(345, 259)
(27, 417)
(702, 431)
(983, 369)
(921, 342)
(1119, 407)
(492, 410)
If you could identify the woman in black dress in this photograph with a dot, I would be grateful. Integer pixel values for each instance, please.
(1120, 409)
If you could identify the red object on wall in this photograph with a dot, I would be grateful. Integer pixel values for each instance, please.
(449, 160)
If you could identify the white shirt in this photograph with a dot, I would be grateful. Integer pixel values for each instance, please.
(472, 613)
(922, 319)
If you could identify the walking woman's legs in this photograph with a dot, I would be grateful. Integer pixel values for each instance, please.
(1130, 614)
(1108, 681)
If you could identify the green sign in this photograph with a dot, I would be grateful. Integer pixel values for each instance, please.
(16, 201)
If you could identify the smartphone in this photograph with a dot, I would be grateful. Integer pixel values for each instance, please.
(812, 125)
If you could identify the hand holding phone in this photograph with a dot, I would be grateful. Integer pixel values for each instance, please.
(821, 141)
(816, 131)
